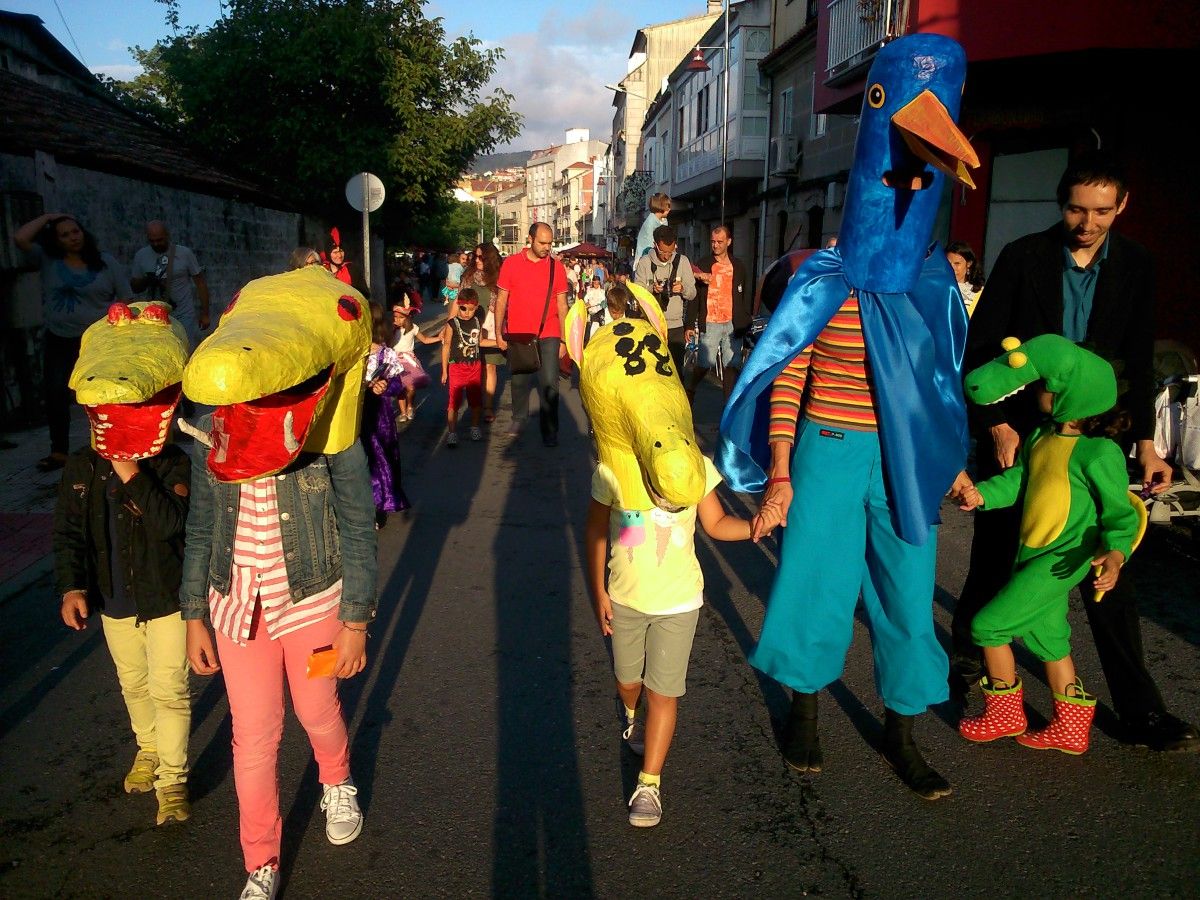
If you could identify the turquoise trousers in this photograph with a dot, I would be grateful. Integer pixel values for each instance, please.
(839, 545)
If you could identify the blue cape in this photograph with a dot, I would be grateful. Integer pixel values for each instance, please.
(915, 344)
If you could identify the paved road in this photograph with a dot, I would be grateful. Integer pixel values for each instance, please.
(489, 763)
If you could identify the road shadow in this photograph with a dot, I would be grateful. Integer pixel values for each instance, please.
(436, 512)
(539, 828)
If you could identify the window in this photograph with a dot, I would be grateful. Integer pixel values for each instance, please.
(702, 107)
(786, 110)
(682, 124)
(816, 122)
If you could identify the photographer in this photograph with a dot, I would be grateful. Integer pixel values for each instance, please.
(668, 276)
(170, 272)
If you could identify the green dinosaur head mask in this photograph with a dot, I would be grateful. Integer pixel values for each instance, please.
(1083, 384)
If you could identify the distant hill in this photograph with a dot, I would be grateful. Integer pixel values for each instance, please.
(490, 162)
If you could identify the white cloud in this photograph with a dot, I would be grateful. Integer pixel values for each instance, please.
(119, 71)
(558, 72)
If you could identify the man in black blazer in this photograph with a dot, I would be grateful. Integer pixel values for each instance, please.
(721, 325)
(1083, 281)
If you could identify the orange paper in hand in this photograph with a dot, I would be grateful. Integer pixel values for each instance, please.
(321, 663)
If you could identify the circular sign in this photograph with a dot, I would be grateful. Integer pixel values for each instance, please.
(365, 192)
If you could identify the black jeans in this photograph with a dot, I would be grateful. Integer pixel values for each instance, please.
(59, 357)
(547, 378)
(676, 346)
(1115, 624)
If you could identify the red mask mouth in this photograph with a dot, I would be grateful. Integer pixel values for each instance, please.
(260, 437)
(124, 431)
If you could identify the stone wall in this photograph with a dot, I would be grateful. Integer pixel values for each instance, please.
(235, 242)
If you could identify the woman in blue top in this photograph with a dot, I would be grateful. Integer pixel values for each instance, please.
(78, 285)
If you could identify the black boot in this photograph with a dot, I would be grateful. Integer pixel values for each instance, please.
(903, 756)
(801, 745)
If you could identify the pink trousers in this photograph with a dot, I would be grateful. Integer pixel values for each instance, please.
(254, 674)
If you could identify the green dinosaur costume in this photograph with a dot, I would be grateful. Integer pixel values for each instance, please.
(1075, 492)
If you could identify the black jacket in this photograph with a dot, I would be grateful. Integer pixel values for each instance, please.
(155, 508)
(1023, 298)
(743, 296)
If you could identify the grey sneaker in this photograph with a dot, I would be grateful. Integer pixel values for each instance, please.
(452, 439)
(343, 819)
(476, 434)
(263, 884)
(645, 806)
(634, 734)
(513, 429)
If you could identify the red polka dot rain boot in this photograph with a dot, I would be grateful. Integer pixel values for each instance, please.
(1071, 726)
(1003, 716)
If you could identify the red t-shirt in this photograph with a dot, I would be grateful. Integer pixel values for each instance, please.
(526, 283)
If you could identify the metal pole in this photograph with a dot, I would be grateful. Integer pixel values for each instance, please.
(725, 118)
(366, 229)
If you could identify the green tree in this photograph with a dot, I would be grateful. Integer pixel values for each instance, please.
(304, 93)
(451, 223)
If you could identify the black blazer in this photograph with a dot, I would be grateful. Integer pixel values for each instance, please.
(1023, 298)
(743, 296)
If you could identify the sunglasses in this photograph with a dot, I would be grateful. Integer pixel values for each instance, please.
(468, 306)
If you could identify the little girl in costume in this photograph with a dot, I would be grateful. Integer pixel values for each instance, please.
(384, 380)
(1077, 515)
(404, 342)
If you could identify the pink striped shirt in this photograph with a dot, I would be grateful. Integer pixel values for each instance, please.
(260, 574)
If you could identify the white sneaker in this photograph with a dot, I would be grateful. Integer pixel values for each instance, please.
(476, 434)
(263, 884)
(645, 806)
(452, 439)
(343, 819)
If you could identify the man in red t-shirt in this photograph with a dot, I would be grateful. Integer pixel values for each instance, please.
(528, 303)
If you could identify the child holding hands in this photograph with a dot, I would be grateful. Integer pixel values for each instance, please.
(649, 607)
(1077, 515)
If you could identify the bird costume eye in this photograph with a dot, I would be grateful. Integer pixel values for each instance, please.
(876, 96)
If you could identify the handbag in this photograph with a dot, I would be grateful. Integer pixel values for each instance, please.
(524, 351)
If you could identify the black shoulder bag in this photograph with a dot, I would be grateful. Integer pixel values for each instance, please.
(524, 352)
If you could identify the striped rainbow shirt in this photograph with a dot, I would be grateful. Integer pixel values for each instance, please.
(834, 369)
(260, 574)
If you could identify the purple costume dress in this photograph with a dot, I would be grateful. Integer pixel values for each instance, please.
(379, 435)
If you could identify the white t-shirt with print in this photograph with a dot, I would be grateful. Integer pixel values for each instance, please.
(652, 565)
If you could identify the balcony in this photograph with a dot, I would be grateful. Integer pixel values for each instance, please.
(857, 29)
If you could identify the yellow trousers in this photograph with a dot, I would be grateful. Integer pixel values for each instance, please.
(152, 667)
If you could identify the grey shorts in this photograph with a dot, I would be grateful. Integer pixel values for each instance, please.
(653, 649)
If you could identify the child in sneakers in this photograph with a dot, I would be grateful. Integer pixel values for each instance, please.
(650, 607)
(118, 538)
(461, 338)
(650, 485)
(1078, 515)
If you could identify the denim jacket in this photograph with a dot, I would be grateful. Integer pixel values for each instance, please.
(327, 520)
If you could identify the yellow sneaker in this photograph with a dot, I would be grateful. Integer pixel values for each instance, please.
(140, 778)
(173, 804)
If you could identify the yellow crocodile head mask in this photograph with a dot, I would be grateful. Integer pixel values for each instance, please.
(128, 378)
(639, 411)
(284, 369)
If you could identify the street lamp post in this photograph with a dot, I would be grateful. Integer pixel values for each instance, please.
(699, 64)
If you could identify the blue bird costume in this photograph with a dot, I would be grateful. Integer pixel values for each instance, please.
(865, 504)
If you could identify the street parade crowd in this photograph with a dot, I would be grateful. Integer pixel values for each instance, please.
(254, 552)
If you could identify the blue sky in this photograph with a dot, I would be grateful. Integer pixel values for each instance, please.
(558, 56)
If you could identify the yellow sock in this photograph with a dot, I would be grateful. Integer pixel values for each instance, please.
(629, 714)
(646, 778)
